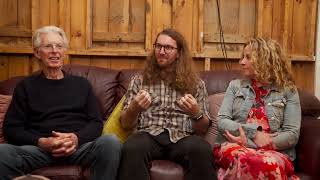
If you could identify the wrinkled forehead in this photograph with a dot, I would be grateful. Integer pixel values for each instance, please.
(51, 38)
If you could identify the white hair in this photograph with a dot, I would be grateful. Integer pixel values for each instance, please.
(48, 29)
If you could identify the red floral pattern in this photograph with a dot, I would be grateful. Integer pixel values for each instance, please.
(238, 162)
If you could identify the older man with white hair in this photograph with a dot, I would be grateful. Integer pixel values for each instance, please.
(54, 117)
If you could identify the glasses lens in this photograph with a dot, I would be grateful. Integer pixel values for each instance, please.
(166, 48)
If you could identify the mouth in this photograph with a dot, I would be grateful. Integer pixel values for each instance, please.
(54, 58)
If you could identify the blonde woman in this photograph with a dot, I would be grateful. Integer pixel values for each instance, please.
(259, 119)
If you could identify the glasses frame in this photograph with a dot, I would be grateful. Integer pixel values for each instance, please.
(166, 48)
(51, 47)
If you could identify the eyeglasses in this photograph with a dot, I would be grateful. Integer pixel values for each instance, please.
(167, 48)
(49, 47)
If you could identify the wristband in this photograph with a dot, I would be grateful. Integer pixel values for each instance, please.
(198, 116)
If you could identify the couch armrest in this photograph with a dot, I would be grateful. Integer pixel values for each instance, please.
(308, 148)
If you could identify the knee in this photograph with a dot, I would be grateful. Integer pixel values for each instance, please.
(135, 146)
(6, 152)
(108, 144)
(200, 148)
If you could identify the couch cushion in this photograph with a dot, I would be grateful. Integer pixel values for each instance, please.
(5, 101)
(214, 102)
(112, 124)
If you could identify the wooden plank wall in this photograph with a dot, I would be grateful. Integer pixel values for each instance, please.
(119, 34)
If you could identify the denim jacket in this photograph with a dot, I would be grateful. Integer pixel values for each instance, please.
(282, 109)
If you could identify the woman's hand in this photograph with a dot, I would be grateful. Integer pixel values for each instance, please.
(264, 140)
(241, 139)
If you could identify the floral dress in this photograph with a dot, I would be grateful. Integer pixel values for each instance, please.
(234, 161)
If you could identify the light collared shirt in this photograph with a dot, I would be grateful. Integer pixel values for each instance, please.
(164, 112)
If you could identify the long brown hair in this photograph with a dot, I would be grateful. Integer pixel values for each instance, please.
(270, 62)
(183, 77)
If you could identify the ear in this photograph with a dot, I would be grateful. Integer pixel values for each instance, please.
(36, 52)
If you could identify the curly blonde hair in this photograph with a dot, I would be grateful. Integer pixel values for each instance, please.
(183, 77)
(270, 63)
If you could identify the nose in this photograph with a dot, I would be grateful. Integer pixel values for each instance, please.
(162, 50)
(54, 48)
(242, 61)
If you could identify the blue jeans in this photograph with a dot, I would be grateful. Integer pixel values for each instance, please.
(102, 156)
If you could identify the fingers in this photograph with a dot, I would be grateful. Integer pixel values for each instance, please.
(189, 104)
(61, 135)
(143, 98)
(273, 134)
(230, 137)
(66, 149)
(242, 133)
(241, 139)
(65, 152)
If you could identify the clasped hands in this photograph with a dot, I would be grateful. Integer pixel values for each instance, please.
(261, 139)
(187, 103)
(59, 144)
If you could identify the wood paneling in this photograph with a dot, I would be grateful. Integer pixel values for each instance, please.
(119, 34)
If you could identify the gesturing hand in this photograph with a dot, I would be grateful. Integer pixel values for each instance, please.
(189, 105)
(241, 139)
(143, 99)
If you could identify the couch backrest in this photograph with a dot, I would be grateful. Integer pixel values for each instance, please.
(109, 86)
(218, 81)
(104, 83)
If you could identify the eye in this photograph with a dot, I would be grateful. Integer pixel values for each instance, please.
(168, 48)
(59, 46)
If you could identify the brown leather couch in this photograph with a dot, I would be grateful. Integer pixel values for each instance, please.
(110, 85)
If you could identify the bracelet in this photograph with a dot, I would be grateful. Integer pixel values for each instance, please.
(198, 116)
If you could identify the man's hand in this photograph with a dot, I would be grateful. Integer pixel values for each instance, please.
(60, 144)
(68, 147)
(241, 139)
(50, 143)
(142, 99)
(189, 105)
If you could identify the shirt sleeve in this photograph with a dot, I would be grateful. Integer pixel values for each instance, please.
(202, 98)
(94, 127)
(133, 89)
(16, 117)
(289, 132)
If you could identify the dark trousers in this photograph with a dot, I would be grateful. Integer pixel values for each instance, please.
(102, 156)
(192, 152)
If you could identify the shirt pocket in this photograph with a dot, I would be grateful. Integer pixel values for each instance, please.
(277, 106)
